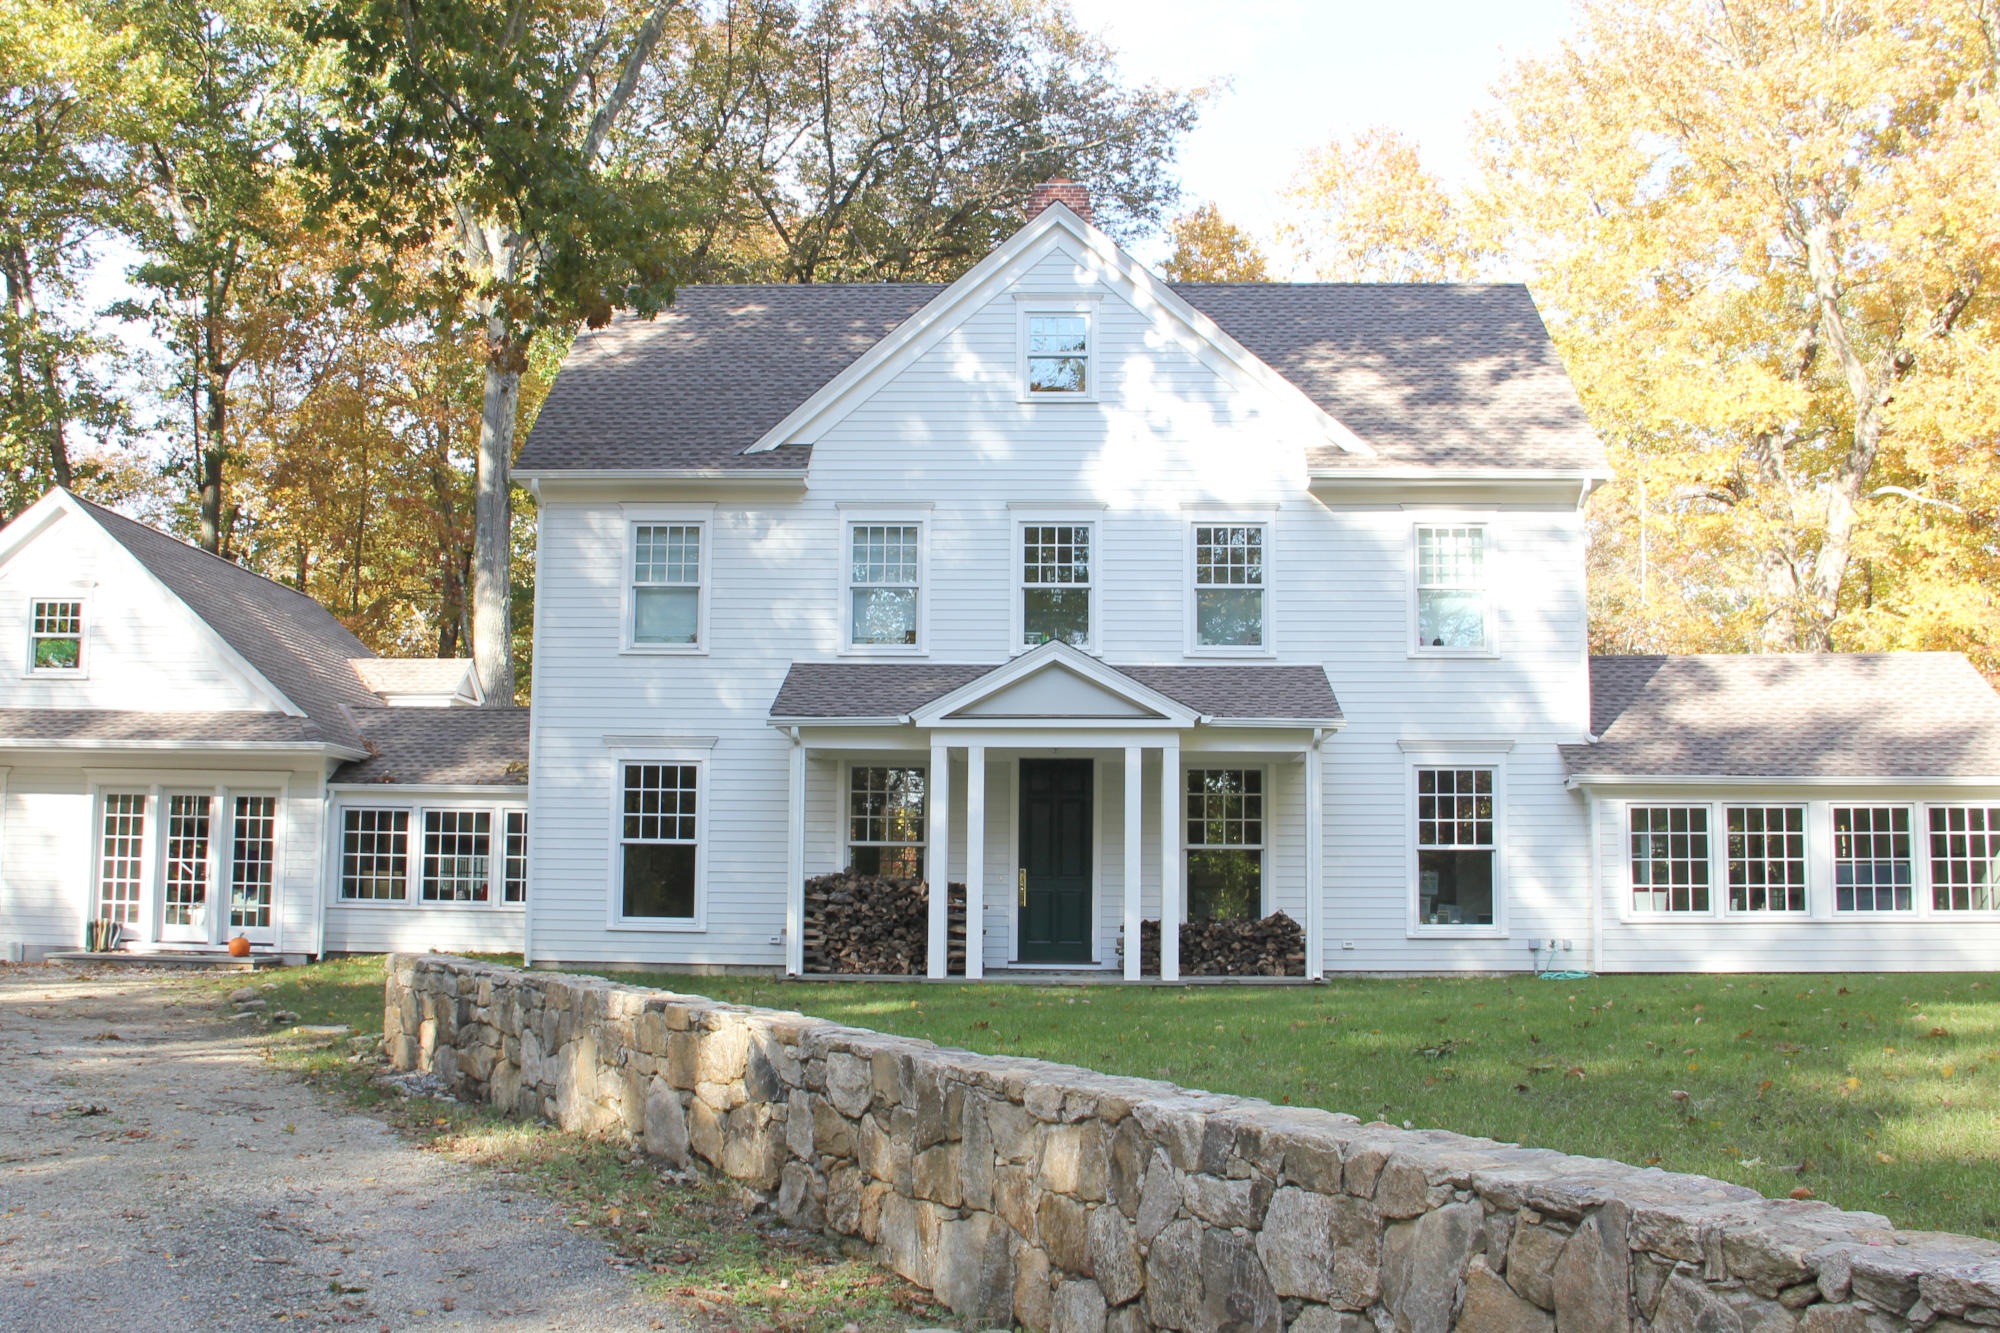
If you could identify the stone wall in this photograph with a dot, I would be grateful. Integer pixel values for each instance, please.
(1053, 1198)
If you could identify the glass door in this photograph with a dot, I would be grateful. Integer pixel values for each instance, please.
(253, 868)
(186, 911)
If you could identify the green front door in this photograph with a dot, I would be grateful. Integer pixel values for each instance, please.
(1054, 884)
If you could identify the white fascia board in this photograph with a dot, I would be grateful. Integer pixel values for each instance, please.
(795, 723)
(790, 476)
(511, 791)
(28, 524)
(1581, 780)
(1049, 655)
(1376, 476)
(1010, 260)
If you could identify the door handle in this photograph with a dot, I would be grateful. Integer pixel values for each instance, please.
(1024, 887)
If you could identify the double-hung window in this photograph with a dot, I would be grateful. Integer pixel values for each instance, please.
(659, 840)
(1767, 857)
(1671, 863)
(1965, 858)
(1225, 844)
(458, 850)
(884, 583)
(886, 821)
(1230, 586)
(1871, 858)
(666, 585)
(1056, 353)
(1452, 611)
(1457, 849)
(1056, 584)
(375, 855)
(55, 635)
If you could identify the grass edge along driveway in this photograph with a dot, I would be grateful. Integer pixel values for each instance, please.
(1873, 1091)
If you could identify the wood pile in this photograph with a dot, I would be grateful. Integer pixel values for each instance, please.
(1272, 947)
(877, 925)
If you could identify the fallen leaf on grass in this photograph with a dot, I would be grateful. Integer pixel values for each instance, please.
(1802, 1193)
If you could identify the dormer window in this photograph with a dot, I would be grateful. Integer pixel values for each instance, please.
(55, 635)
(1057, 339)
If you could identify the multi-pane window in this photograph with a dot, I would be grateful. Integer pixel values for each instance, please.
(885, 821)
(666, 584)
(1451, 588)
(1455, 846)
(1225, 843)
(657, 840)
(1767, 858)
(121, 863)
(1670, 858)
(1871, 858)
(253, 862)
(1059, 353)
(883, 578)
(1965, 856)
(1229, 586)
(55, 635)
(458, 847)
(375, 855)
(1055, 584)
(514, 887)
(185, 892)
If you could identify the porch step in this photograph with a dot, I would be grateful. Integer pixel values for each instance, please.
(208, 962)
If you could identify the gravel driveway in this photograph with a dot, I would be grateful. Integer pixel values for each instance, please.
(155, 1173)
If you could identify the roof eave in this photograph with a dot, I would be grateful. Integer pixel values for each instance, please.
(770, 476)
(327, 749)
(1588, 779)
(1415, 472)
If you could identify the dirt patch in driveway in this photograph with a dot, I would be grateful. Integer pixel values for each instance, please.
(156, 1173)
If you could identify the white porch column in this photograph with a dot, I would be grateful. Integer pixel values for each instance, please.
(1315, 863)
(1135, 807)
(937, 868)
(1170, 861)
(975, 861)
(795, 862)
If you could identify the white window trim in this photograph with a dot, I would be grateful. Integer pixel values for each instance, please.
(1222, 761)
(615, 918)
(1414, 928)
(1026, 304)
(849, 521)
(1926, 904)
(145, 909)
(846, 807)
(413, 867)
(1268, 522)
(1413, 648)
(81, 671)
(1920, 884)
(1719, 849)
(1718, 866)
(1024, 521)
(636, 517)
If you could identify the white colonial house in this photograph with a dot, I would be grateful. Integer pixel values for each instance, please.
(196, 753)
(1119, 600)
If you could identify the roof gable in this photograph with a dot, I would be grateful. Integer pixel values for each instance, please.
(1054, 682)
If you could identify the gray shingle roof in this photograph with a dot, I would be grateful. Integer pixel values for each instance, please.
(412, 675)
(1867, 715)
(1431, 375)
(293, 641)
(114, 725)
(892, 689)
(484, 746)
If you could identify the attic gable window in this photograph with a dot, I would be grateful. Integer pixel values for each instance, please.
(1057, 339)
(55, 635)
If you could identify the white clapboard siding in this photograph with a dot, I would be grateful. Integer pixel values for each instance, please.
(1169, 441)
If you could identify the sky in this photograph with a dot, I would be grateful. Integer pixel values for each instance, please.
(1303, 72)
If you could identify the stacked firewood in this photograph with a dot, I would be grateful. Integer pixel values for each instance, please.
(877, 925)
(1272, 947)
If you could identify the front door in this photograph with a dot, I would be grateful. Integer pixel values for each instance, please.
(1054, 888)
(187, 898)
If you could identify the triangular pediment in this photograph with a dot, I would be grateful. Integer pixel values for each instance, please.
(1055, 693)
(1055, 684)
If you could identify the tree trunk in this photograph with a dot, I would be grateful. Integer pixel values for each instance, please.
(216, 379)
(493, 517)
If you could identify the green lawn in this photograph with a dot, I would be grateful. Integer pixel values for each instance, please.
(1875, 1092)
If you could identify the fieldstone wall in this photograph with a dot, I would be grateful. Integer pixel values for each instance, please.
(1053, 1198)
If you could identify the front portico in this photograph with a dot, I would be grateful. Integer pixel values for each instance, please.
(1055, 785)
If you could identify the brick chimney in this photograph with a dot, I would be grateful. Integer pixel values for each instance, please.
(1059, 191)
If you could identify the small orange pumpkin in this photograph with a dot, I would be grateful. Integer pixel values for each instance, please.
(239, 947)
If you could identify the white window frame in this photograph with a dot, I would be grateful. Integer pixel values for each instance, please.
(226, 856)
(1632, 911)
(420, 875)
(1919, 862)
(1202, 762)
(81, 671)
(1488, 550)
(1266, 521)
(700, 517)
(852, 519)
(418, 807)
(920, 762)
(150, 854)
(1022, 522)
(508, 815)
(1719, 845)
(615, 918)
(411, 831)
(1926, 876)
(1496, 761)
(1029, 304)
